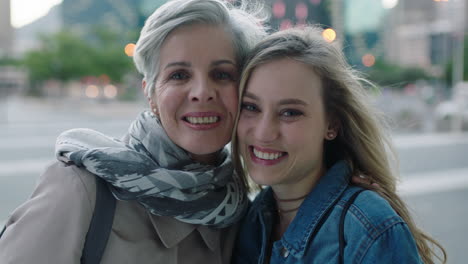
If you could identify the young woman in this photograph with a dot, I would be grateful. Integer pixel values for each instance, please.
(178, 198)
(305, 128)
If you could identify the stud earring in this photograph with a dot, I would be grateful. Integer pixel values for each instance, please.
(331, 135)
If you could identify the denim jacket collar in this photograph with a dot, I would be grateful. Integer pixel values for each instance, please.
(323, 196)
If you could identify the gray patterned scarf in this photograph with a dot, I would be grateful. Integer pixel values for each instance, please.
(158, 174)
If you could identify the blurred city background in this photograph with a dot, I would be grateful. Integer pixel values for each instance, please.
(67, 63)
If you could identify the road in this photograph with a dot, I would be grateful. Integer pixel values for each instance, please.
(434, 167)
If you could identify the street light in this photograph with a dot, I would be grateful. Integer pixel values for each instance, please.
(301, 11)
(368, 60)
(130, 49)
(315, 2)
(285, 24)
(92, 91)
(279, 9)
(110, 91)
(329, 35)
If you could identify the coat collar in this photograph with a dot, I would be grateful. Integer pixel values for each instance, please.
(172, 232)
(315, 206)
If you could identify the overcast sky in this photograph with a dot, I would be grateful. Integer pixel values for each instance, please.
(25, 11)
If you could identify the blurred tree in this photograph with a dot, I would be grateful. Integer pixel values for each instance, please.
(8, 61)
(386, 74)
(108, 55)
(64, 56)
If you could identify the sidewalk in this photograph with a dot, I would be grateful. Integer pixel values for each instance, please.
(18, 109)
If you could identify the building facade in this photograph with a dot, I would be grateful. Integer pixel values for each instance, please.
(6, 30)
(124, 17)
(421, 33)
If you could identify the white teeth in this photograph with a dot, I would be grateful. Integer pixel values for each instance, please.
(267, 156)
(202, 120)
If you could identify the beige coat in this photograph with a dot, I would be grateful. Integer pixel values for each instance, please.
(51, 227)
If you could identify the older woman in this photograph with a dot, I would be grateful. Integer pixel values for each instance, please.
(305, 127)
(178, 198)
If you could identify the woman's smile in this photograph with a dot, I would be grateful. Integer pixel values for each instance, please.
(265, 156)
(196, 91)
(281, 130)
(202, 120)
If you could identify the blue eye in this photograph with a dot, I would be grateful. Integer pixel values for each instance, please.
(249, 107)
(291, 113)
(180, 75)
(222, 75)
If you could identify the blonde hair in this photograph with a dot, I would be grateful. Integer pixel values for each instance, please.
(363, 140)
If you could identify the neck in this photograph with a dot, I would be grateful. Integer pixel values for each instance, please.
(209, 159)
(289, 198)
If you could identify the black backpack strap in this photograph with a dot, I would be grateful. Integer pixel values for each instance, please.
(101, 224)
(342, 219)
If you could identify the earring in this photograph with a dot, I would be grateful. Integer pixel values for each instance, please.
(330, 135)
(155, 111)
(153, 107)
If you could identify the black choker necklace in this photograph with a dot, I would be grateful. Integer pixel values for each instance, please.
(281, 211)
(288, 200)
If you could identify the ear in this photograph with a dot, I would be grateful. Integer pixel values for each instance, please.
(333, 128)
(153, 106)
(143, 87)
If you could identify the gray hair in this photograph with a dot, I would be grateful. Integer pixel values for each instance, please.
(244, 23)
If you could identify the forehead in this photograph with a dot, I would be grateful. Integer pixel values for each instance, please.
(197, 42)
(285, 78)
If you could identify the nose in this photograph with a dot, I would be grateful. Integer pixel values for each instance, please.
(203, 90)
(266, 128)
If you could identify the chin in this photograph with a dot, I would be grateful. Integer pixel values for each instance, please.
(261, 179)
(204, 149)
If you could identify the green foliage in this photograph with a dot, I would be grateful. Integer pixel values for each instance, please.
(386, 74)
(7, 61)
(109, 58)
(65, 56)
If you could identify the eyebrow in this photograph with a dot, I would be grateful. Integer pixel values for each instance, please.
(281, 102)
(251, 96)
(219, 62)
(292, 101)
(188, 64)
(178, 63)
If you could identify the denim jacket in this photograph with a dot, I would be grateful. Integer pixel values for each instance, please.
(373, 231)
